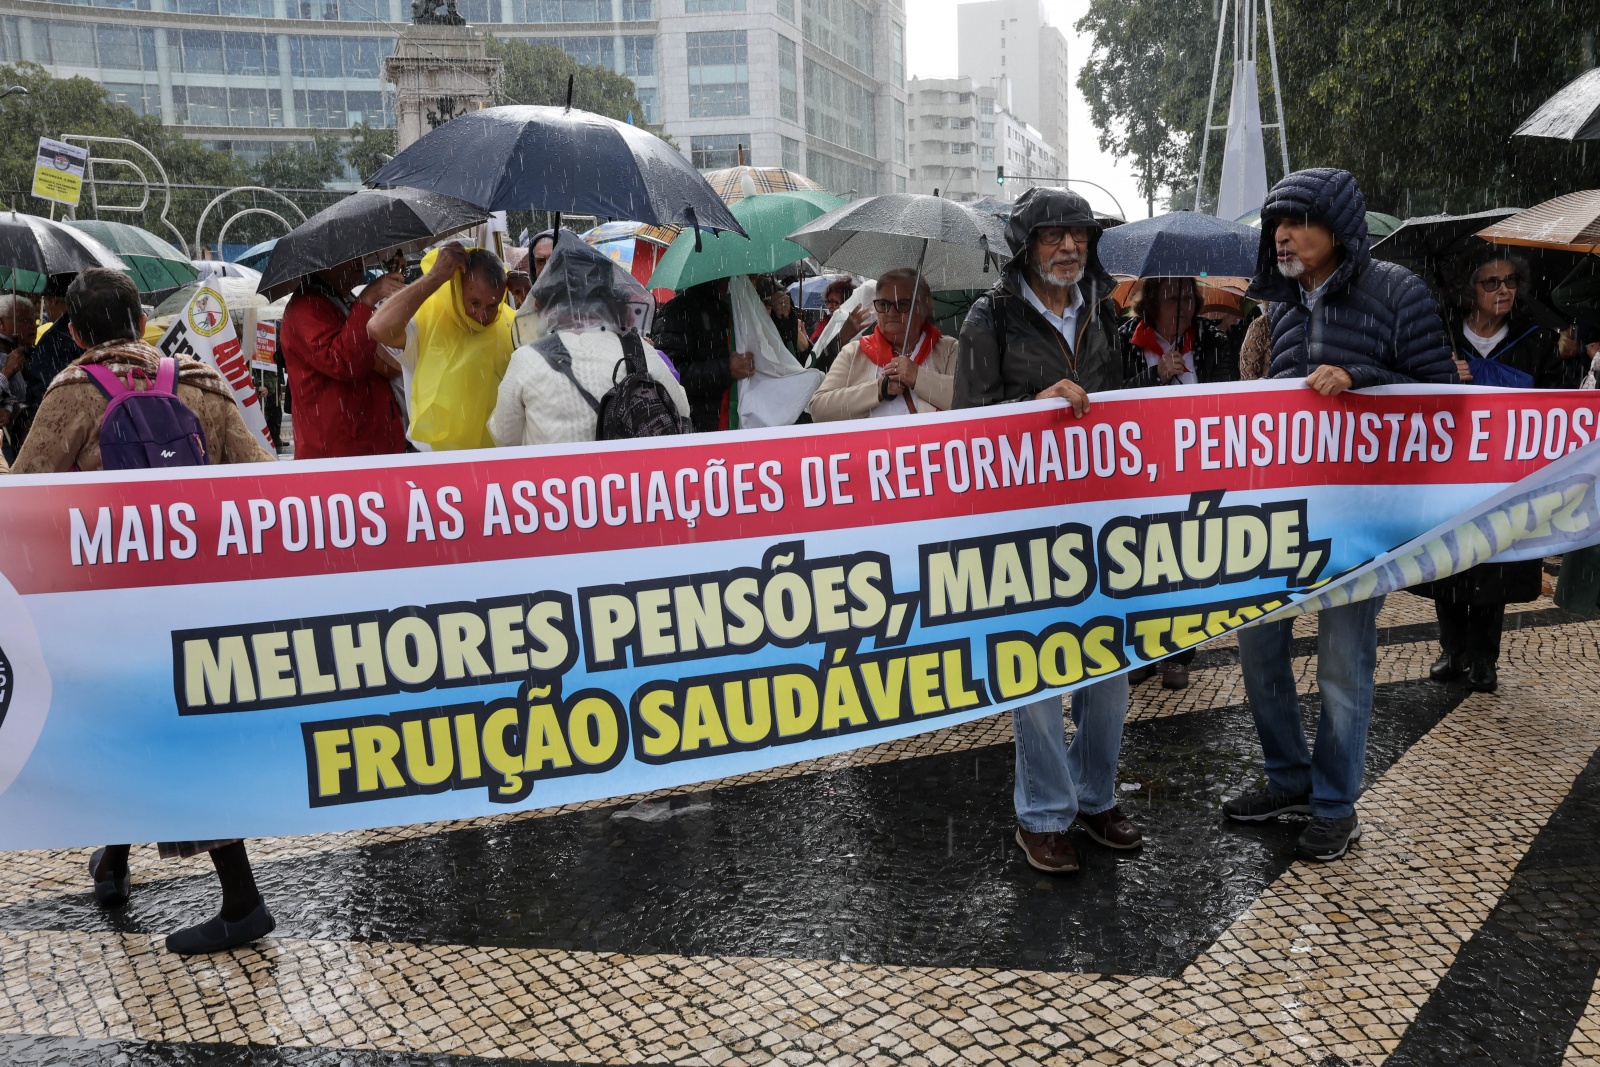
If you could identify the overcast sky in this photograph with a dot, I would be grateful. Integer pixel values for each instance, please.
(931, 53)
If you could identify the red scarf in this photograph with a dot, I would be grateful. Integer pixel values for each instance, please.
(877, 348)
(1146, 338)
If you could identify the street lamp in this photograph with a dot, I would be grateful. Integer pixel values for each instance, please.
(8, 90)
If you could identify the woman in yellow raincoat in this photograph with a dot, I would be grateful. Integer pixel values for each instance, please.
(454, 329)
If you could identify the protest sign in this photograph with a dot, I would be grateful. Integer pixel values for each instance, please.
(204, 331)
(58, 171)
(337, 644)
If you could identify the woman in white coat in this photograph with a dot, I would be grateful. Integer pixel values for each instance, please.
(884, 373)
(570, 329)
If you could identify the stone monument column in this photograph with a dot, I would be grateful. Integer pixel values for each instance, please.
(440, 69)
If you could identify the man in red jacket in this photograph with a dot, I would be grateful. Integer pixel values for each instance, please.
(343, 404)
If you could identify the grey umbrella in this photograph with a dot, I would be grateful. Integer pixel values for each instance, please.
(953, 246)
(1422, 244)
(33, 248)
(1573, 114)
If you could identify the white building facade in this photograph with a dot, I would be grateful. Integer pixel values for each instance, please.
(961, 134)
(816, 86)
(1010, 45)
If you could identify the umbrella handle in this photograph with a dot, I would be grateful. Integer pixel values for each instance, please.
(694, 221)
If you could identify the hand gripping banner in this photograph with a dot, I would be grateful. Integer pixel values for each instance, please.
(319, 646)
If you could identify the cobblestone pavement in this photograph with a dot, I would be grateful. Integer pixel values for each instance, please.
(870, 909)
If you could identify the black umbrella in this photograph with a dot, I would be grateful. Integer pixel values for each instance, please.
(560, 159)
(33, 248)
(372, 220)
(1182, 244)
(1573, 114)
(953, 246)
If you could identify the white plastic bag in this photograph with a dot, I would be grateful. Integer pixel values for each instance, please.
(780, 389)
(861, 298)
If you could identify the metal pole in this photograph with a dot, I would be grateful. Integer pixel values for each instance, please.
(1211, 103)
(1277, 90)
(915, 285)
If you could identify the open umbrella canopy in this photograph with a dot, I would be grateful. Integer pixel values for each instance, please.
(768, 219)
(733, 184)
(958, 248)
(366, 222)
(1570, 223)
(34, 248)
(256, 256)
(559, 159)
(152, 263)
(1422, 244)
(1572, 114)
(1181, 244)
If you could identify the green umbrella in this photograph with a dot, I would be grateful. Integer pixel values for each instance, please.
(768, 218)
(152, 263)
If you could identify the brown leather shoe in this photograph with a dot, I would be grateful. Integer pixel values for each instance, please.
(1049, 852)
(1141, 674)
(1175, 675)
(1112, 829)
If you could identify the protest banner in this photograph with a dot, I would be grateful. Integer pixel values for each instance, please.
(329, 645)
(58, 171)
(204, 330)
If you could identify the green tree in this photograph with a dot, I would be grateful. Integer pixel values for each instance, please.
(301, 167)
(370, 148)
(1417, 97)
(537, 74)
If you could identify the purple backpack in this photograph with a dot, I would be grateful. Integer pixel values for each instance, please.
(149, 427)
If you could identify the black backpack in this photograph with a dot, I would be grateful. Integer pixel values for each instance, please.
(637, 406)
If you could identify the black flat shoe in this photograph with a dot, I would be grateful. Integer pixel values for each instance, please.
(1483, 677)
(1448, 668)
(110, 889)
(217, 934)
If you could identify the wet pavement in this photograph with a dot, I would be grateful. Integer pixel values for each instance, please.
(870, 908)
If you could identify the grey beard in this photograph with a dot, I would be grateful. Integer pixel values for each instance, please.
(1050, 280)
(1292, 269)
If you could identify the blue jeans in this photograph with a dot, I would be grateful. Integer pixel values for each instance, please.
(1347, 655)
(1055, 782)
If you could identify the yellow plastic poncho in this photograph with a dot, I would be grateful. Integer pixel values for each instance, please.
(459, 366)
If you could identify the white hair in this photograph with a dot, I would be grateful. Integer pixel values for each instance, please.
(12, 305)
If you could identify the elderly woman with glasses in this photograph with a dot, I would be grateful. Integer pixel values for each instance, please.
(1494, 343)
(903, 366)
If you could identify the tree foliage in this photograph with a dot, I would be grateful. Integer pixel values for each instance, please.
(537, 74)
(1417, 97)
(293, 166)
(371, 147)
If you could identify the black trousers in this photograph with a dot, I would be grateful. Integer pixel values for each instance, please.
(1471, 629)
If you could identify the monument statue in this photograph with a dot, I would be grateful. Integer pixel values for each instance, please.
(436, 13)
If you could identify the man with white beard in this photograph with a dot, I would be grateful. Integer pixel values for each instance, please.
(1047, 329)
(1340, 320)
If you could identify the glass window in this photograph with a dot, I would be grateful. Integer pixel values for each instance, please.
(696, 7)
(248, 53)
(899, 119)
(197, 7)
(321, 109)
(841, 28)
(478, 12)
(365, 107)
(119, 48)
(145, 99)
(838, 176)
(647, 97)
(717, 151)
(561, 11)
(638, 10)
(363, 57)
(987, 154)
(791, 154)
(316, 57)
(71, 43)
(897, 55)
(585, 51)
(201, 105)
(786, 9)
(788, 80)
(10, 40)
(202, 51)
(839, 110)
(248, 107)
(639, 57)
(719, 74)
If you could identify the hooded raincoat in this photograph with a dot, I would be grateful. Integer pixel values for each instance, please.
(457, 368)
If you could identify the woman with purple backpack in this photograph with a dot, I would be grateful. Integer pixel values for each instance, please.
(186, 415)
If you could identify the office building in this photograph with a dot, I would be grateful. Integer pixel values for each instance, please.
(1013, 40)
(960, 134)
(816, 86)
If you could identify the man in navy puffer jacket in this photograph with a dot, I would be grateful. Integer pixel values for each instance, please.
(1341, 320)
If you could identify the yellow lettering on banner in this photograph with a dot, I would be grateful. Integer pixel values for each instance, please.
(841, 701)
(885, 682)
(222, 674)
(273, 669)
(748, 724)
(503, 762)
(375, 749)
(356, 662)
(553, 646)
(655, 708)
(461, 636)
(956, 588)
(331, 747)
(956, 693)
(313, 681)
(702, 724)
(794, 703)
(922, 673)
(1061, 659)
(545, 741)
(505, 640)
(467, 746)
(1016, 669)
(433, 762)
(599, 748)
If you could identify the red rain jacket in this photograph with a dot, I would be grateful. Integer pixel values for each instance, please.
(342, 405)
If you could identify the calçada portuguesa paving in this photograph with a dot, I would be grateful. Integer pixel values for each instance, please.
(871, 909)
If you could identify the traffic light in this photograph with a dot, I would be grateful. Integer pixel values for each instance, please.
(1000, 174)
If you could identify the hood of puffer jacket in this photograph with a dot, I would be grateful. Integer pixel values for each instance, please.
(1323, 195)
(1040, 206)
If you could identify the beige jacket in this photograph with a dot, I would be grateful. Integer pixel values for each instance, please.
(66, 428)
(850, 391)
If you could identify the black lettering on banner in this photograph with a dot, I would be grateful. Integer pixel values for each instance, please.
(1208, 544)
(788, 601)
(503, 746)
(1154, 634)
(1023, 663)
(291, 662)
(753, 709)
(1001, 574)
